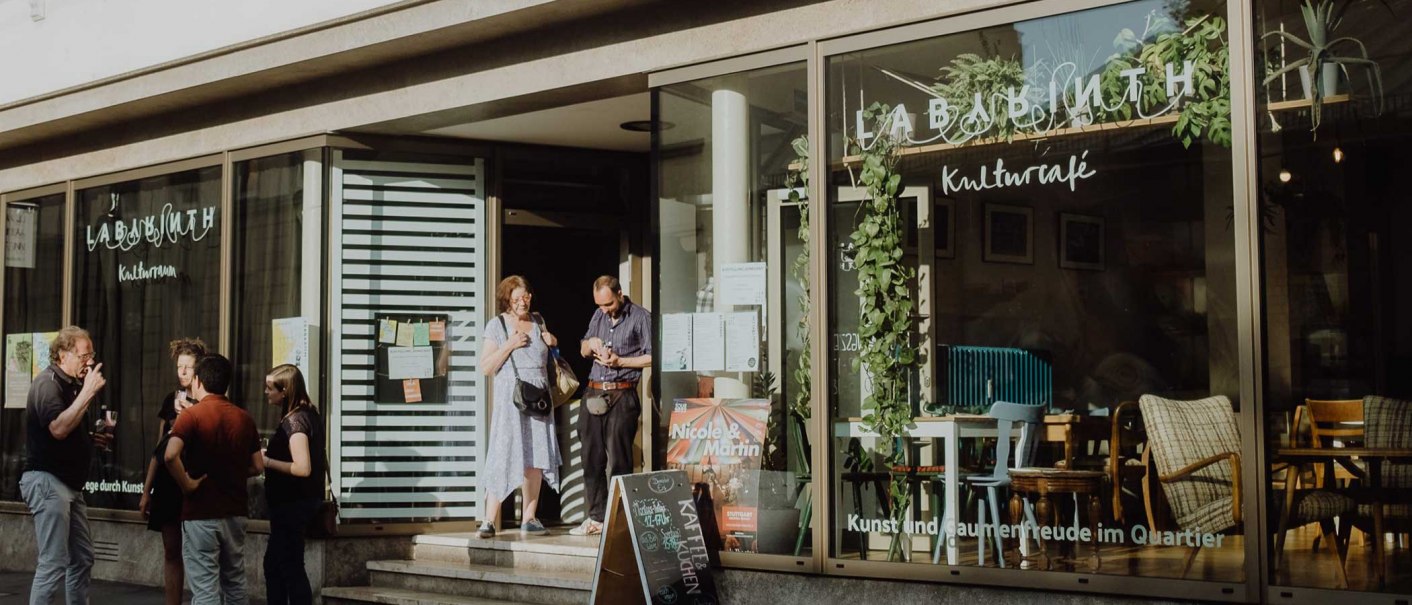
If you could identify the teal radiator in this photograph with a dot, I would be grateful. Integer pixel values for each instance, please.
(972, 378)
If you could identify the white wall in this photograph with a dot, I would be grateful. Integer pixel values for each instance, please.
(80, 41)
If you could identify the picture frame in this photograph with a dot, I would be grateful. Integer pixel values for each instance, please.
(1009, 234)
(944, 227)
(1082, 242)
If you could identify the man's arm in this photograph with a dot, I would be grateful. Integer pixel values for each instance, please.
(257, 463)
(72, 417)
(175, 466)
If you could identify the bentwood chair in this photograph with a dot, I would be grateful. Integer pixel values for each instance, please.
(1335, 423)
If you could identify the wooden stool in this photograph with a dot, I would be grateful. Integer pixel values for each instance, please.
(1046, 481)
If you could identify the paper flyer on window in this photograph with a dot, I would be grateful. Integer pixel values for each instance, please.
(19, 351)
(721, 442)
(290, 342)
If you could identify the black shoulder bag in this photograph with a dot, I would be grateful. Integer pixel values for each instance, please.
(531, 400)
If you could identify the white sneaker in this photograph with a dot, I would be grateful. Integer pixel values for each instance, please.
(589, 527)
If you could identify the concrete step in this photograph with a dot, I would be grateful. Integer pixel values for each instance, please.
(558, 552)
(483, 581)
(362, 595)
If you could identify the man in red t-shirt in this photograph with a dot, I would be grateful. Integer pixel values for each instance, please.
(223, 447)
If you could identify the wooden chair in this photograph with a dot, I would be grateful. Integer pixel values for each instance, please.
(1007, 416)
(1335, 423)
(1127, 440)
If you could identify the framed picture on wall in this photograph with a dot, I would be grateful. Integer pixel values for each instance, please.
(1081, 242)
(1009, 234)
(944, 227)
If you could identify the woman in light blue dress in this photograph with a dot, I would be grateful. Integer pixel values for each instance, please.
(522, 449)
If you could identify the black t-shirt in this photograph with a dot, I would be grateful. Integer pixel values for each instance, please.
(52, 392)
(167, 413)
(283, 488)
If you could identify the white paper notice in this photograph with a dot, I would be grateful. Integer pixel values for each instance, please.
(409, 362)
(20, 231)
(708, 342)
(742, 342)
(676, 342)
(743, 284)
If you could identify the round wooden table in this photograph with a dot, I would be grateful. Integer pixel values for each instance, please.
(1045, 481)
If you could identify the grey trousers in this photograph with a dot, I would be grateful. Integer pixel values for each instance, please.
(213, 552)
(65, 546)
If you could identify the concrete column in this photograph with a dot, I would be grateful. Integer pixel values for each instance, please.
(730, 201)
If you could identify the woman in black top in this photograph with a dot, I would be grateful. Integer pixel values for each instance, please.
(294, 484)
(161, 498)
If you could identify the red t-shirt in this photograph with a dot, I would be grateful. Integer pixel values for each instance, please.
(218, 440)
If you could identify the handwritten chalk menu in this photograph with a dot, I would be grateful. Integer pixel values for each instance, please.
(412, 354)
(653, 549)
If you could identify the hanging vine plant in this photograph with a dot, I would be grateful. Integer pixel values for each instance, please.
(798, 183)
(885, 307)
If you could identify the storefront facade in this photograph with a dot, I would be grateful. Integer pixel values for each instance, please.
(1134, 219)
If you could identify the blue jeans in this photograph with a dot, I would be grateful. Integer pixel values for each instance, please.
(65, 546)
(213, 552)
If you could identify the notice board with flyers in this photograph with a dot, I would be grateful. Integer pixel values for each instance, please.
(412, 356)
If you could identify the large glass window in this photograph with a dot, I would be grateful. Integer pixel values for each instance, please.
(33, 307)
(277, 248)
(1335, 129)
(146, 271)
(1032, 251)
(733, 295)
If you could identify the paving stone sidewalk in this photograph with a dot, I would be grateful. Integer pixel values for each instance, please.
(14, 590)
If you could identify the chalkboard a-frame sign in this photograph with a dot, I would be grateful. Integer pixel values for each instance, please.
(652, 550)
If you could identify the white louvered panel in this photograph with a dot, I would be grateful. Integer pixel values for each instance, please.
(433, 225)
(459, 480)
(409, 497)
(472, 172)
(358, 270)
(380, 181)
(398, 285)
(428, 246)
(403, 451)
(465, 259)
(416, 233)
(431, 304)
(438, 212)
(440, 512)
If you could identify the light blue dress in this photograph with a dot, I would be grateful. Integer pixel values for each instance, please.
(518, 441)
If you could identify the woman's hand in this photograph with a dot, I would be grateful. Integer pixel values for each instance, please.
(549, 339)
(144, 505)
(519, 340)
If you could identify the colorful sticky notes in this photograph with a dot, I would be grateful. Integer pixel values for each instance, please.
(387, 331)
(404, 334)
(412, 390)
(421, 334)
(438, 331)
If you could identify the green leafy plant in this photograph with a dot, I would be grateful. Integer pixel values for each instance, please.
(1320, 21)
(970, 77)
(798, 182)
(1203, 41)
(885, 306)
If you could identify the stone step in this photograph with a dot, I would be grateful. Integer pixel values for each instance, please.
(362, 595)
(483, 581)
(558, 552)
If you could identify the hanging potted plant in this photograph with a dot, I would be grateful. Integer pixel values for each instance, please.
(885, 311)
(1319, 69)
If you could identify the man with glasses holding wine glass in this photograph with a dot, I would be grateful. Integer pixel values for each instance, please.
(58, 450)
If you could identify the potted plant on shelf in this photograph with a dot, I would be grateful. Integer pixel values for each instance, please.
(1320, 22)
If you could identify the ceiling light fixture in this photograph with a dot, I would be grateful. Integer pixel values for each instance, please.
(644, 125)
(1285, 176)
(1338, 155)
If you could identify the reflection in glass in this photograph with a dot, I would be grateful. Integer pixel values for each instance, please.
(1070, 226)
(1333, 147)
(146, 272)
(34, 292)
(733, 296)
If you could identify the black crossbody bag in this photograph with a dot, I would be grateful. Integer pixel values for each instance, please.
(529, 399)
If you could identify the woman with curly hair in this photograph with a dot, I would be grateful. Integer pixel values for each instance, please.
(161, 497)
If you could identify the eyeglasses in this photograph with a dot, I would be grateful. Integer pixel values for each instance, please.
(522, 298)
(84, 356)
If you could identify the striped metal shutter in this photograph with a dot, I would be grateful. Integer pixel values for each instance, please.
(411, 239)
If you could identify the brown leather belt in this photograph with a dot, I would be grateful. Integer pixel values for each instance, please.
(611, 386)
